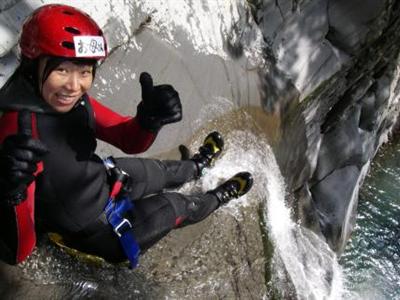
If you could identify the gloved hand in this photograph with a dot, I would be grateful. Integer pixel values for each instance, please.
(160, 104)
(18, 158)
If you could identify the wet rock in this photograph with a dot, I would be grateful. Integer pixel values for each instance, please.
(345, 119)
(298, 45)
(340, 146)
(350, 22)
(334, 198)
(221, 257)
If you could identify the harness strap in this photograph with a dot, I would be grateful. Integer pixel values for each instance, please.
(115, 211)
(117, 205)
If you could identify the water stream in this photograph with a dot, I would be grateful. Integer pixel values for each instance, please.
(299, 253)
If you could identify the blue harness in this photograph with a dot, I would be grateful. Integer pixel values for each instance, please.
(118, 205)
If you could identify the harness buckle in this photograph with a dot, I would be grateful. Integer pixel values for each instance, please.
(124, 225)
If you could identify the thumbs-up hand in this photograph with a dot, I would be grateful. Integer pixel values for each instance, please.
(160, 104)
(19, 155)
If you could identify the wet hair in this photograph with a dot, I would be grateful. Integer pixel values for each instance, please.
(27, 68)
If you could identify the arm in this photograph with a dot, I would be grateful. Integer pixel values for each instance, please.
(122, 132)
(160, 105)
(17, 228)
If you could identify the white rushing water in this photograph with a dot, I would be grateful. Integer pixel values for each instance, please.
(307, 260)
(299, 254)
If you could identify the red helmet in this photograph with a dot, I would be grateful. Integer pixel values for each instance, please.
(62, 30)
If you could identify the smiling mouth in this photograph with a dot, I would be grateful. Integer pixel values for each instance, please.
(66, 99)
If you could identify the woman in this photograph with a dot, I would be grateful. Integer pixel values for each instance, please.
(50, 177)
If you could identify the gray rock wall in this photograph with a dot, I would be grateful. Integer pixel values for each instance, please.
(335, 85)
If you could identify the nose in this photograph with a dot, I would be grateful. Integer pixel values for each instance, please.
(73, 82)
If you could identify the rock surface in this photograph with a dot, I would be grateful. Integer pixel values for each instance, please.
(330, 134)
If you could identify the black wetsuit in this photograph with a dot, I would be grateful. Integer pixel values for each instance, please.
(73, 188)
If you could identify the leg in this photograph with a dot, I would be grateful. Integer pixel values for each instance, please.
(157, 216)
(150, 176)
(152, 219)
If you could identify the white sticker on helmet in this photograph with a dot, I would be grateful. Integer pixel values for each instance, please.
(89, 46)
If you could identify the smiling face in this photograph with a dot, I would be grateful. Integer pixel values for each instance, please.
(66, 84)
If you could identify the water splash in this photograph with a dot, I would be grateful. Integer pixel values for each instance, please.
(300, 254)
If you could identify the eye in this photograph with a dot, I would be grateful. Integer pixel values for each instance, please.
(61, 70)
(86, 72)
(89, 71)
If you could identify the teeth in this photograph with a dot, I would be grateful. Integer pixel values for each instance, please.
(65, 98)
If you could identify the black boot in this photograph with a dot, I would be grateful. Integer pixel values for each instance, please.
(212, 147)
(234, 187)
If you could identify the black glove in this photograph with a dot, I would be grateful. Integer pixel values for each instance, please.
(18, 158)
(160, 104)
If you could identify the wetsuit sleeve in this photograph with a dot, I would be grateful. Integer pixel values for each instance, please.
(122, 132)
(17, 226)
